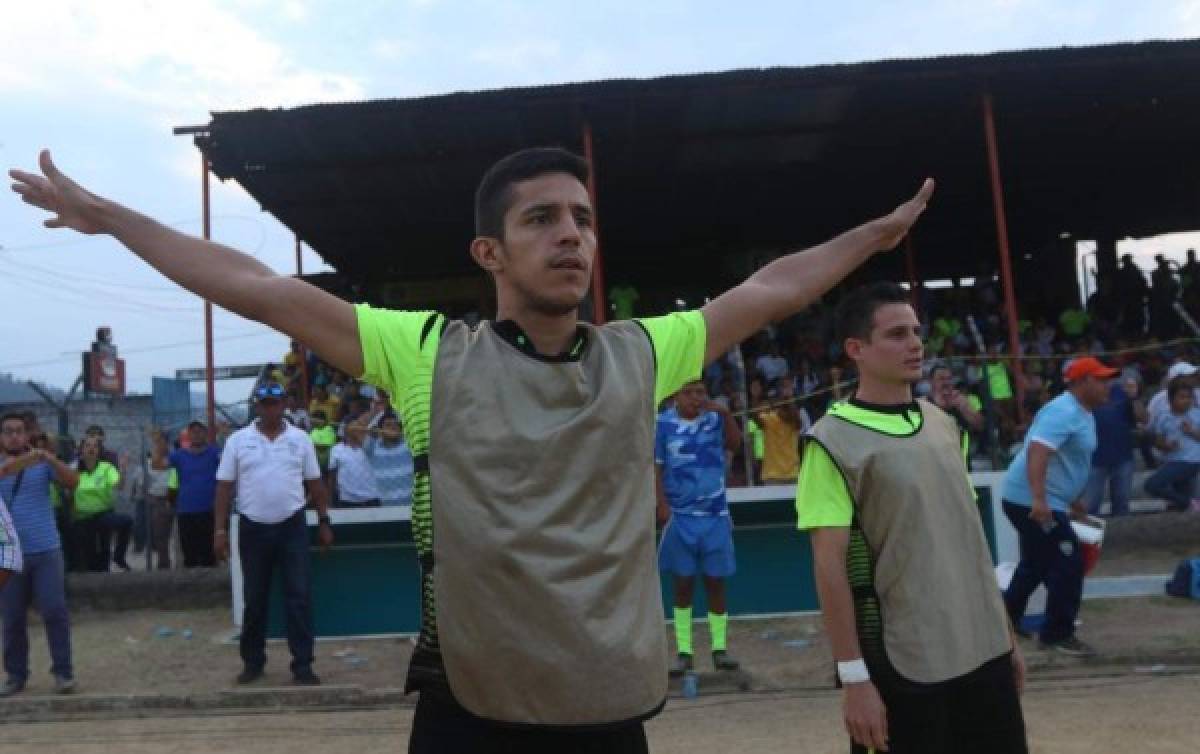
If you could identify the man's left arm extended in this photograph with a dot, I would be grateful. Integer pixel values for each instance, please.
(791, 283)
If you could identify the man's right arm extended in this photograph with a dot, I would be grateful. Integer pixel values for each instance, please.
(228, 278)
(863, 712)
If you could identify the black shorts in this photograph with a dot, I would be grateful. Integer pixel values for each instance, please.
(442, 726)
(979, 712)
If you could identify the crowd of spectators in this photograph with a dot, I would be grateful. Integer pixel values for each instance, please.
(164, 501)
(784, 379)
(358, 436)
(777, 384)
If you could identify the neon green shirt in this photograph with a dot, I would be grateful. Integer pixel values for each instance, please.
(97, 490)
(1074, 322)
(399, 355)
(947, 327)
(757, 441)
(998, 383)
(326, 435)
(323, 439)
(822, 498)
(395, 358)
(623, 298)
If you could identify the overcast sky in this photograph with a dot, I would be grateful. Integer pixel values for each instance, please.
(103, 83)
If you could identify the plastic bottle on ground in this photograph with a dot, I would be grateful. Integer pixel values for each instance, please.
(691, 685)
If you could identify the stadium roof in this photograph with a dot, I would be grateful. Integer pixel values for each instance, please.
(700, 173)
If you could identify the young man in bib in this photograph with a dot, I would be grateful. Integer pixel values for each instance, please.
(689, 454)
(911, 606)
(532, 439)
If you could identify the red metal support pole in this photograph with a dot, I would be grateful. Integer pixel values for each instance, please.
(210, 385)
(599, 301)
(303, 347)
(1006, 278)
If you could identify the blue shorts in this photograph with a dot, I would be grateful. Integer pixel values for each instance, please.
(697, 543)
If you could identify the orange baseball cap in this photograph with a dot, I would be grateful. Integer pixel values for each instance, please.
(1088, 366)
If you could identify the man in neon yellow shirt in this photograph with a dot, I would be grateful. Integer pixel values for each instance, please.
(323, 437)
(532, 439)
(755, 445)
(1000, 392)
(910, 603)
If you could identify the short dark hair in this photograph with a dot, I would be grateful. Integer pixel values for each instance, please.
(94, 429)
(855, 316)
(10, 416)
(494, 196)
(388, 415)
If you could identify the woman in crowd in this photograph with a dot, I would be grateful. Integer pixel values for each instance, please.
(1178, 435)
(159, 508)
(95, 517)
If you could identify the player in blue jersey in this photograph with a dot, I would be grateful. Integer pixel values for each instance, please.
(689, 457)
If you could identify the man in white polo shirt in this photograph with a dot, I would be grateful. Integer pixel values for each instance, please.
(273, 463)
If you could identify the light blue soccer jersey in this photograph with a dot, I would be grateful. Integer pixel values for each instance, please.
(691, 453)
(1068, 429)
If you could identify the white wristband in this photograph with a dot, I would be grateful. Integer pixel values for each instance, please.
(854, 671)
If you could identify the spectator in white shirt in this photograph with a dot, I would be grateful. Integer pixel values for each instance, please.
(391, 461)
(272, 463)
(296, 413)
(350, 473)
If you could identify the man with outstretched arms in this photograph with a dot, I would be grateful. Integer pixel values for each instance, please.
(532, 438)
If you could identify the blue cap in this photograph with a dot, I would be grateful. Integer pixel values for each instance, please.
(269, 390)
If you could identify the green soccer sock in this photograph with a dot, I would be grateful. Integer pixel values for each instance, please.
(683, 630)
(717, 625)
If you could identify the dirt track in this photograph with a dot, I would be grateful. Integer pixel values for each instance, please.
(1098, 716)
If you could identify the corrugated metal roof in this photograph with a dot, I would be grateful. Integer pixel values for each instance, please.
(1092, 142)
